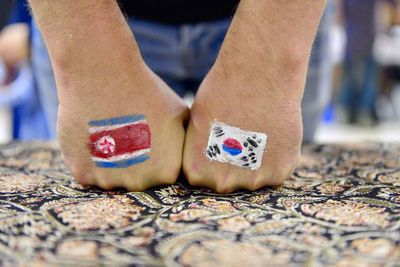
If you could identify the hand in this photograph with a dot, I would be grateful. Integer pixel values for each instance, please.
(256, 85)
(235, 103)
(165, 113)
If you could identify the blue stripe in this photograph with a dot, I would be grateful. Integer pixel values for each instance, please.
(117, 120)
(122, 163)
(231, 150)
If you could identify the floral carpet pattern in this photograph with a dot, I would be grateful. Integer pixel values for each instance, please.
(341, 207)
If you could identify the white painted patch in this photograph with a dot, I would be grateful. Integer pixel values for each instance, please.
(96, 129)
(252, 144)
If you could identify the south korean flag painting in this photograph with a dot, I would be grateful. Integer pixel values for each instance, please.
(236, 146)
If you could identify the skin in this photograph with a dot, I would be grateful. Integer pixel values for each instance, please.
(260, 75)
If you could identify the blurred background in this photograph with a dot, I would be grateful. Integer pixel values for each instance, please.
(353, 82)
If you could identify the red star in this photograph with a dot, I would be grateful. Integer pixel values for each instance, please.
(106, 146)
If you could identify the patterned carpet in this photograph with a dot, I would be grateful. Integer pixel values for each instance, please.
(341, 207)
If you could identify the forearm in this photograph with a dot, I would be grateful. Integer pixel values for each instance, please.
(272, 40)
(86, 39)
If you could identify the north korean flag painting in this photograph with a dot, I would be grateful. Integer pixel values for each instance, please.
(119, 142)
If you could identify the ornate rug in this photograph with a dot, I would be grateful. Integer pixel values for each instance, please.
(341, 207)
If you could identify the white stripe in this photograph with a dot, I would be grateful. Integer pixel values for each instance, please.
(96, 129)
(123, 156)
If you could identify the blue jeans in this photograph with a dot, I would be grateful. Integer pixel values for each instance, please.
(44, 79)
(359, 88)
(318, 89)
(182, 56)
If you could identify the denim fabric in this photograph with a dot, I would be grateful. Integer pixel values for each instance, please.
(180, 55)
(318, 89)
(360, 82)
(45, 81)
(359, 87)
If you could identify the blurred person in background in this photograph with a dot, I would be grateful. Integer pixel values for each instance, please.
(387, 52)
(5, 10)
(360, 72)
(318, 88)
(18, 88)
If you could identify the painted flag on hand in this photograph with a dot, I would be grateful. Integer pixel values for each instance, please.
(236, 146)
(119, 142)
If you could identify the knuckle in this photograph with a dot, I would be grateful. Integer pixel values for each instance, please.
(224, 188)
(84, 178)
(220, 189)
(105, 183)
(134, 186)
(281, 176)
(169, 176)
(259, 182)
(194, 178)
(253, 187)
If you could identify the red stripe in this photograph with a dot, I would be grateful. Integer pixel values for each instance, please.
(128, 139)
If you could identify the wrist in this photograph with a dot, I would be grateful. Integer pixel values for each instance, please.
(283, 74)
(83, 33)
(268, 44)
